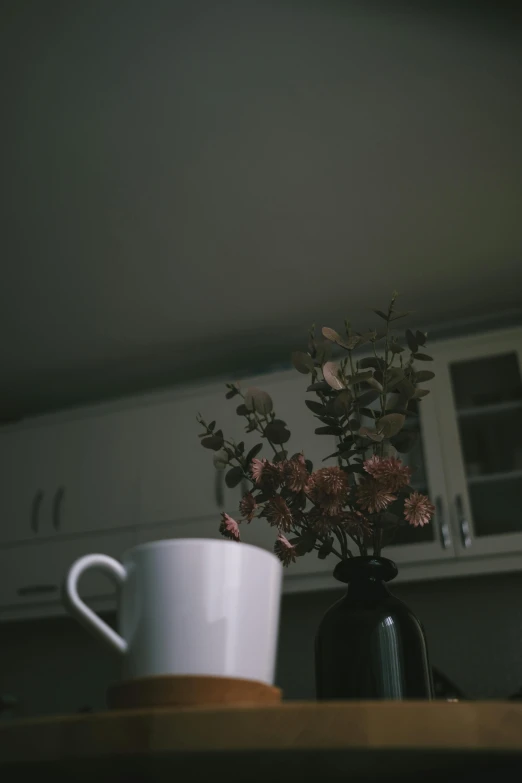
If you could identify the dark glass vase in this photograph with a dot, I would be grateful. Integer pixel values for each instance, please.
(369, 645)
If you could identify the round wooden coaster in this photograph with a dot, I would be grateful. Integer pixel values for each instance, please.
(189, 691)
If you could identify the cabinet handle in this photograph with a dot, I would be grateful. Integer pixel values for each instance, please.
(35, 510)
(444, 531)
(219, 490)
(36, 590)
(465, 535)
(57, 507)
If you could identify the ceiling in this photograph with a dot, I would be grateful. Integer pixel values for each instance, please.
(187, 185)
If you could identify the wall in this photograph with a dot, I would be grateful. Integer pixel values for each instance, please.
(474, 629)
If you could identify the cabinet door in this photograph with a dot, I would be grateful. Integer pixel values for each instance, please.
(32, 575)
(25, 485)
(434, 541)
(95, 466)
(178, 477)
(480, 409)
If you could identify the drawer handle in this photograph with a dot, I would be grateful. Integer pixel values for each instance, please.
(57, 507)
(37, 590)
(35, 510)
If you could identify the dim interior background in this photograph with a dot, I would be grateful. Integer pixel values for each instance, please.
(334, 152)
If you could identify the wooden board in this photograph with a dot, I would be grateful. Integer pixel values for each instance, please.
(299, 737)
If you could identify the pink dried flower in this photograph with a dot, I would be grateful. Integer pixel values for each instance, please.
(247, 506)
(328, 488)
(229, 527)
(357, 523)
(373, 497)
(284, 550)
(321, 521)
(373, 465)
(389, 471)
(278, 513)
(265, 473)
(295, 474)
(256, 469)
(418, 509)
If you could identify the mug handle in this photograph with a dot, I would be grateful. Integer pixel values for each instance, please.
(81, 611)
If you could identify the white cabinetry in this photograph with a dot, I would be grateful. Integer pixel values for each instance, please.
(73, 474)
(178, 480)
(479, 408)
(104, 478)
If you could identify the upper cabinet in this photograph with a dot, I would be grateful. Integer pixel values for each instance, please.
(479, 406)
(63, 476)
(25, 501)
(96, 469)
(178, 479)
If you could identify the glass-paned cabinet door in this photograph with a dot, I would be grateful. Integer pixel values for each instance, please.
(433, 541)
(482, 434)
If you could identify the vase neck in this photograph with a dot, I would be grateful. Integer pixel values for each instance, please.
(365, 570)
(366, 578)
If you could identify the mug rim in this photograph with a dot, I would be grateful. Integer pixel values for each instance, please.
(173, 541)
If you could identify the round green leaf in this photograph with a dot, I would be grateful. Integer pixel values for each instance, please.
(233, 477)
(214, 442)
(404, 441)
(335, 337)
(302, 362)
(390, 424)
(277, 432)
(331, 375)
(343, 402)
(395, 347)
(412, 342)
(254, 451)
(366, 432)
(259, 401)
(316, 407)
(424, 375)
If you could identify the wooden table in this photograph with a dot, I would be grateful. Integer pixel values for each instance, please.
(291, 741)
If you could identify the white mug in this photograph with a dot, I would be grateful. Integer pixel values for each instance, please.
(189, 606)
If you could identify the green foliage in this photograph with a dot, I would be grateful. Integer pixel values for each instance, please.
(365, 392)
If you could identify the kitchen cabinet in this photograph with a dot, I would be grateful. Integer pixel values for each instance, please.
(178, 480)
(32, 574)
(479, 406)
(96, 463)
(25, 512)
(72, 474)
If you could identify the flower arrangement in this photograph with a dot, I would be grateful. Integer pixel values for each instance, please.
(364, 402)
